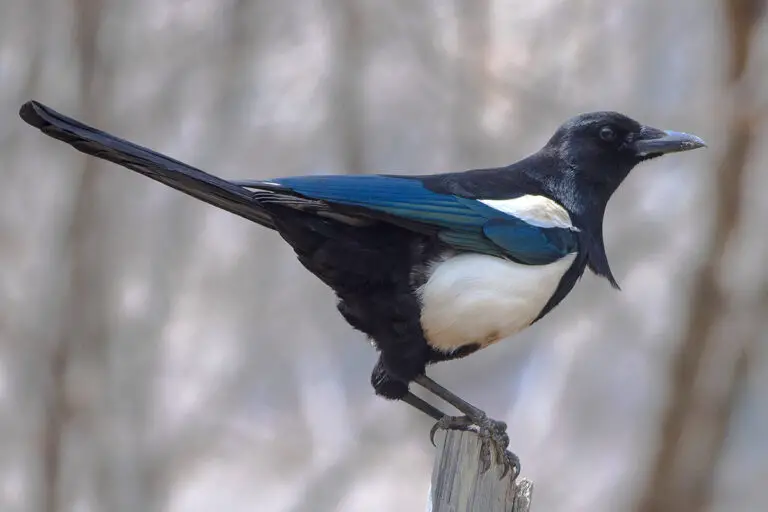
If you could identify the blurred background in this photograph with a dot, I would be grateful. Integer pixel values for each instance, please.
(157, 354)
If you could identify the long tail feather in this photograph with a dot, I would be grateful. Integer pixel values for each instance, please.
(175, 174)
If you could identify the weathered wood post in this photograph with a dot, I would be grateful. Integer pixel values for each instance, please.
(459, 486)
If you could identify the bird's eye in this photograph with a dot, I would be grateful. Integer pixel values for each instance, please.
(607, 134)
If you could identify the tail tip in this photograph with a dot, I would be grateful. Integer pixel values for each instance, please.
(31, 113)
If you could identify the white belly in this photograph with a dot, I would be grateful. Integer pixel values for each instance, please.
(475, 298)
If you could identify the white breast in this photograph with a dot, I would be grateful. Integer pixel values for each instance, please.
(476, 298)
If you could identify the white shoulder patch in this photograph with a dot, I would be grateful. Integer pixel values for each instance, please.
(535, 210)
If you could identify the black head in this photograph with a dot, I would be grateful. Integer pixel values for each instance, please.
(594, 152)
(602, 147)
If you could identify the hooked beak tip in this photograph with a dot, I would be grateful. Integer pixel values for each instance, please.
(687, 140)
(661, 142)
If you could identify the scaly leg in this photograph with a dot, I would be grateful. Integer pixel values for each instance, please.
(427, 408)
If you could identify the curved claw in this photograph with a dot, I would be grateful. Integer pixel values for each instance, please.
(511, 461)
(485, 455)
(449, 423)
(432, 433)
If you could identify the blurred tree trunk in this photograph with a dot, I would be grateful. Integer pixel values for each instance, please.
(709, 370)
(347, 88)
(176, 454)
(471, 81)
(77, 356)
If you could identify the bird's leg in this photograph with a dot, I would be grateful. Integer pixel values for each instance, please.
(427, 408)
(395, 389)
(459, 403)
(492, 432)
(443, 420)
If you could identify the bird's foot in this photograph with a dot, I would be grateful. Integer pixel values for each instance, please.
(450, 423)
(493, 436)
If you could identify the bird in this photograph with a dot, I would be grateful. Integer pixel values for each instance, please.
(430, 267)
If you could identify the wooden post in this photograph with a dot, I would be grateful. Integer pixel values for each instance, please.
(458, 485)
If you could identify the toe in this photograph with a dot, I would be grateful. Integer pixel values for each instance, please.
(450, 423)
(498, 426)
(486, 457)
(511, 462)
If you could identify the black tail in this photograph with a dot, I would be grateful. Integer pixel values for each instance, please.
(196, 183)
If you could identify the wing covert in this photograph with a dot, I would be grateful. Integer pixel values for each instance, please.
(463, 223)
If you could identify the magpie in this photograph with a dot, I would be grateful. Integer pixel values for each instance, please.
(431, 267)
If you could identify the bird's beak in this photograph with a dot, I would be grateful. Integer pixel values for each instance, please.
(653, 141)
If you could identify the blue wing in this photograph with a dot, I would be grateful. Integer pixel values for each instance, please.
(463, 223)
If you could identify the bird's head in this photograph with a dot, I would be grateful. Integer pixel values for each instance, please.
(594, 152)
(602, 147)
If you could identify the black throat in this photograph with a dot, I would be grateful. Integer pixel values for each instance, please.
(586, 201)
